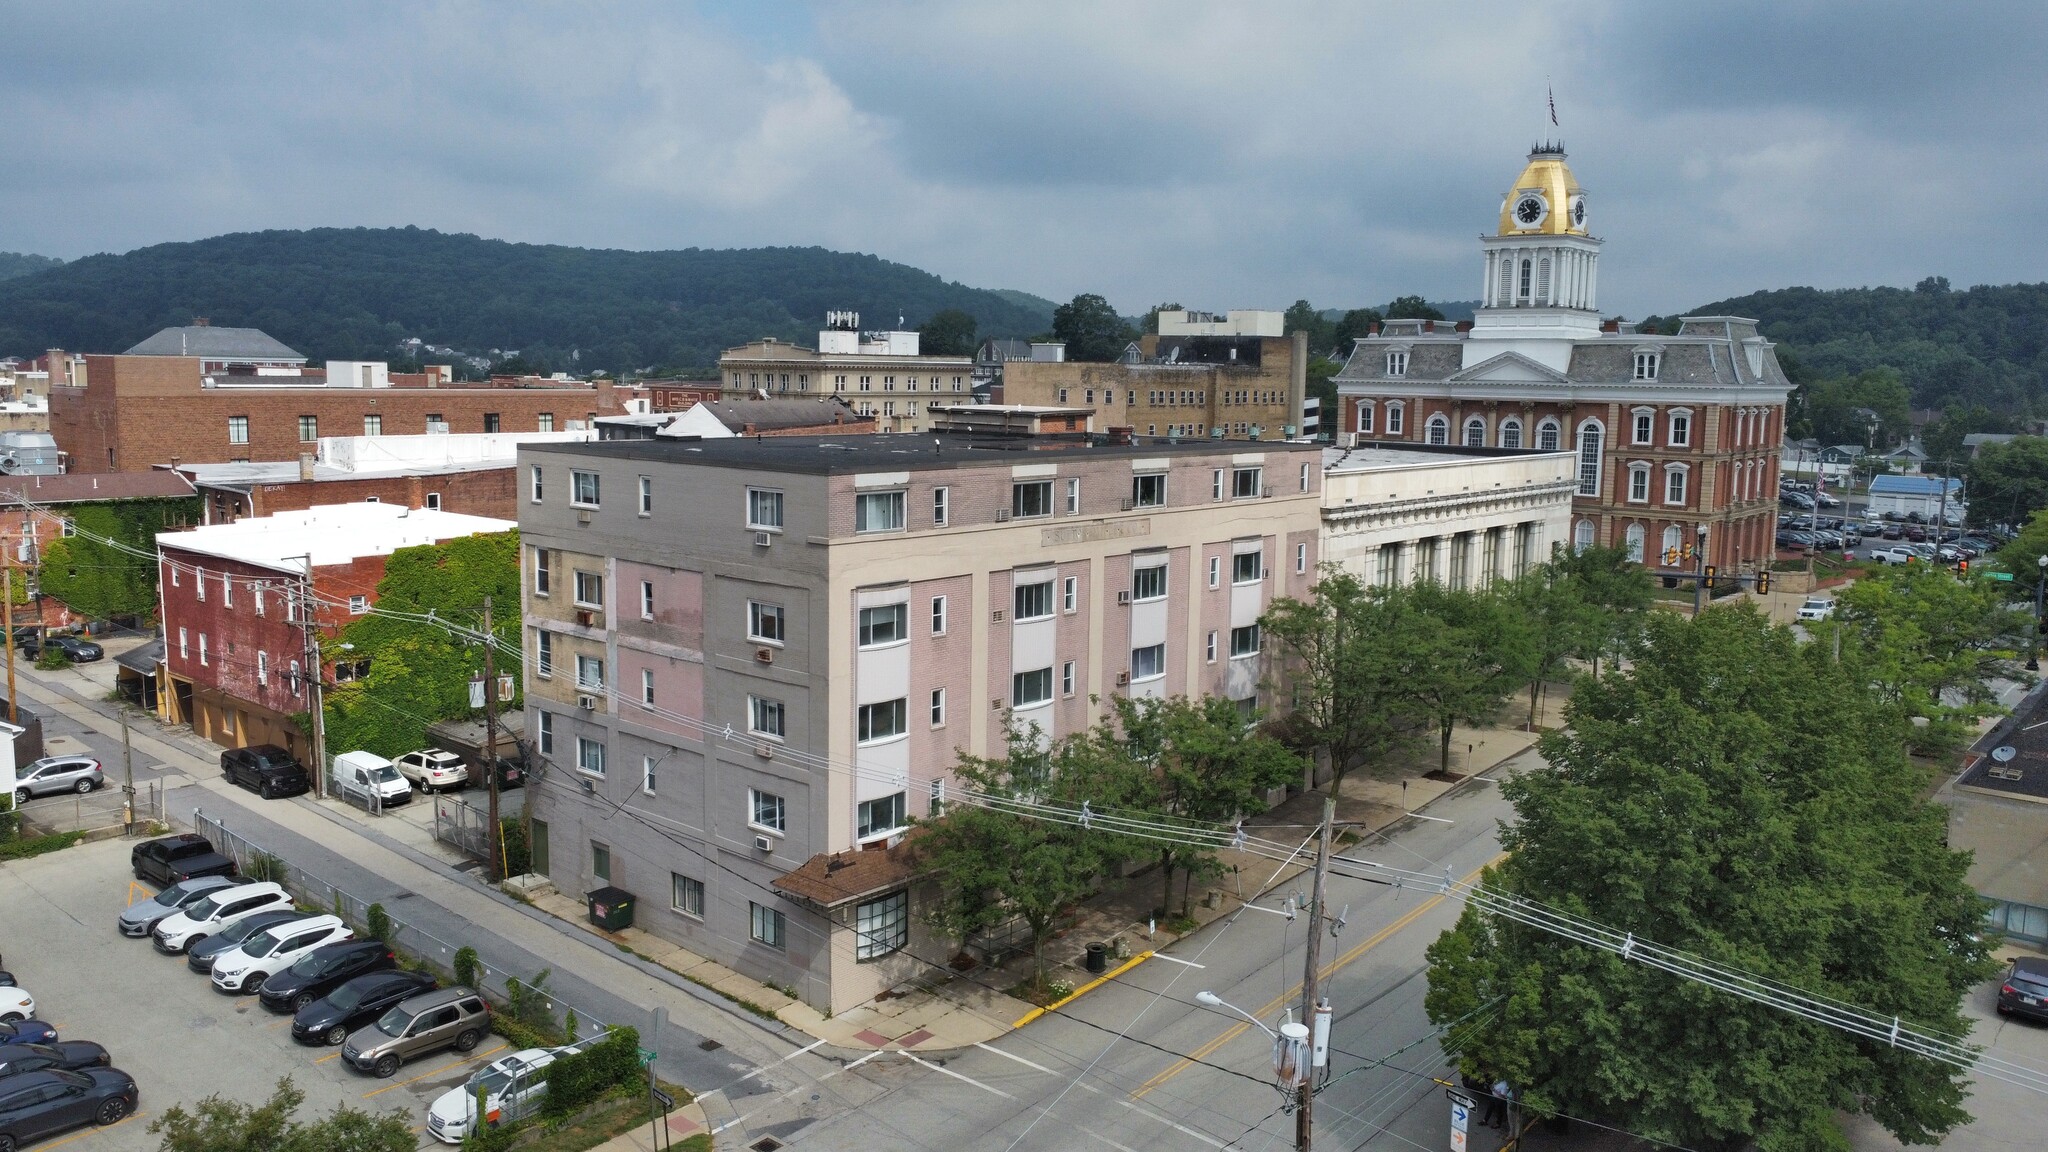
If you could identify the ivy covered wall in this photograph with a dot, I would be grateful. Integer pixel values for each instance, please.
(100, 581)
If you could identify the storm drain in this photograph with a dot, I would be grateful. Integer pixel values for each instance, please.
(709, 1045)
(765, 1144)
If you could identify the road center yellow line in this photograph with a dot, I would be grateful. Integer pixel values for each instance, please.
(436, 1072)
(1273, 1005)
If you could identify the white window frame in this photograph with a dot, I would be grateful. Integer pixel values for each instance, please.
(1639, 482)
(1241, 490)
(585, 663)
(1677, 484)
(1209, 649)
(1437, 429)
(1555, 432)
(238, 429)
(1646, 365)
(1584, 535)
(1678, 428)
(1475, 432)
(202, 649)
(760, 612)
(539, 485)
(1018, 685)
(1030, 499)
(938, 616)
(579, 479)
(899, 803)
(938, 708)
(1073, 496)
(1216, 484)
(1397, 362)
(1141, 575)
(1257, 558)
(543, 654)
(863, 515)
(647, 599)
(647, 766)
(1589, 479)
(647, 687)
(543, 572)
(576, 588)
(767, 717)
(1642, 426)
(681, 891)
(760, 500)
(1017, 607)
(1510, 427)
(869, 716)
(941, 498)
(1364, 418)
(1215, 571)
(1156, 482)
(1151, 655)
(868, 620)
(358, 605)
(544, 724)
(584, 747)
(646, 495)
(1239, 634)
(262, 668)
(766, 926)
(1067, 679)
(1300, 558)
(1397, 418)
(1070, 594)
(769, 803)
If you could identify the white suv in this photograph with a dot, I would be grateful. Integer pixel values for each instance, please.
(1817, 610)
(179, 931)
(433, 769)
(510, 1082)
(272, 950)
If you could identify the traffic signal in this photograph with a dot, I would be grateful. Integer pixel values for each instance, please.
(1763, 582)
(1671, 557)
(1710, 576)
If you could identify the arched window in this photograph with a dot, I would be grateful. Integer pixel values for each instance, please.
(1439, 429)
(1475, 433)
(1543, 281)
(1635, 536)
(1675, 483)
(1507, 280)
(1511, 433)
(1590, 437)
(1582, 536)
(1674, 539)
(1524, 294)
(1546, 436)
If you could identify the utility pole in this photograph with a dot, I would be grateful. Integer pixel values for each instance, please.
(315, 679)
(127, 776)
(497, 840)
(1304, 1125)
(7, 611)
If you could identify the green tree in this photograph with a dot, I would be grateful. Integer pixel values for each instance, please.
(1840, 409)
(102, 580)
(1302, 316)
(219, 1124)
(1563, 621)
(2008, 483)
(1473, 652)
(1092, 329)
(1927, 642)
(1618, 587)
(1150, 327)
(1341, 665)
(950, 332)
(1742, 796)
(2021, 556)
(1412, 308)
(1353, 325)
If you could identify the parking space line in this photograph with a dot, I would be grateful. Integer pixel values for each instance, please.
(435, 1072)
(329, 1056)
(92, 1131)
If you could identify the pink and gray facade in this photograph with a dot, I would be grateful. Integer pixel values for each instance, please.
(752, 662)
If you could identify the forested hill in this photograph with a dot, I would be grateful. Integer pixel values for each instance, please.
(349, 293)
(1985, 346)
(14, 264)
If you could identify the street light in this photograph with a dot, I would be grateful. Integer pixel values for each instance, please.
(2034, 649)
(1293, 1060)
(1214, 1001)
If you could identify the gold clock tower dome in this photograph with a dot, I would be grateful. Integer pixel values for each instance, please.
(1545, 200)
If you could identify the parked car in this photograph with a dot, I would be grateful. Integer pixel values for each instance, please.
(16, 1004)
(323, 970)
(70, 1055)
(199, 957)
(172, 859)
(506, 1081)
(54, 774)
(1817, 610)
(15, 1030)
(142, 917)
(449, 1017)
(1827, 500)
(45, 1103)
(28, 641)
(510, 774)
(1895, 555)
(76, 649)
(1916, 534)
(265, 769)
(369, 779)
(196, 921)
(244, 969)
(433, 769)
(1892, 531)
(2024, 992)
(357, 1002)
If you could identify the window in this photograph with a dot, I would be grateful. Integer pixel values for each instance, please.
(765, 810)
(884, 624)
(764, 509)
(647, 687)
(436, 422)
(1031, 498)
(686, 895)
(1246, 567)
(590, 755)
(647, 599)
(1674, 484)
(297, 685)
(1148, 491)
(884, 721)
(537, 486)
(940, 498)
(1438, 430)
(589, 589)
(1215, 571)
(1365, 415)
(1638, 483)
(1149, 662)
(1644, 419)
(1681, 429)
(545, 721)
(1582, 535)
(1244, 641)
(1149, 583)
(309, 429)
(583, 489)
(1589, 458)
(590, 673)
(1633, 538)
(764, 622)
(881, 926)
(766, 717)
(647, 764)
(202, 649)
(1646, 365)
(1304, 478)
(1067, 678)
(1397, 415)
(1070, 593)
(492, 423)
(1033, 601)
(199, 584)
(1026, 688)
(543, 653)
(238, 429)
(1209, 649)
(938, 707)
(878, 512)
(543, 572)
(1300, 558)
(373, 425)
(766, 923)
(263, 668)
(1246, 483)
(1397, 363)
(433, 501)
(358, 605)
(1074, 497)
(1547, 436)
(545, 422)
(1674, 539)
(601, 861)
(938, 615)
(647, 495)
(878, 817)
(1475, 433)
(1511, 433)
(1524, 292)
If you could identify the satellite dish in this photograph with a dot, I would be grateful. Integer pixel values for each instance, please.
(8, 464)
(2004, 753)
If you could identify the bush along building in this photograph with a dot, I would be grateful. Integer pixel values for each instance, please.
(751, 662)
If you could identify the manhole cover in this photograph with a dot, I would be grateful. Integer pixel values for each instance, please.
(765, 1144)
(709, 1045)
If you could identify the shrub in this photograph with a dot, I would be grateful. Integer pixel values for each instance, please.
(577, 1079)
(262, 866)
(377, 923)
(512, 835)
(37, 845)
(527, 1001)
(467, 967)
(570, 1025)
(50, 659)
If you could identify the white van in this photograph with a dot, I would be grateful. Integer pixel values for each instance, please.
(370, 780)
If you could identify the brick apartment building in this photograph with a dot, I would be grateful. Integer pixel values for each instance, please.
(236, 609)
(133, 413)
(34, 510)
(761, 658)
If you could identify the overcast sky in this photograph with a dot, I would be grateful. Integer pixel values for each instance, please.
(1222, 156)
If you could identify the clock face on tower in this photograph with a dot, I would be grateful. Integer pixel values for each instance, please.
(1530, 210)
(1578, 212)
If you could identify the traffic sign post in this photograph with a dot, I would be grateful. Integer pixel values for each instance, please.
(1461, 1116)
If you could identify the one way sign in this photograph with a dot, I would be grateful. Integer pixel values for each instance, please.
(1461, 1112)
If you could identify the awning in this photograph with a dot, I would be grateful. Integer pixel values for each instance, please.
(143, 660)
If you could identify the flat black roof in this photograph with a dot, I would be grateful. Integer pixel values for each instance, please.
(899, 451)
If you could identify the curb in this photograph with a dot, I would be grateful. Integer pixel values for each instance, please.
(1083, 990)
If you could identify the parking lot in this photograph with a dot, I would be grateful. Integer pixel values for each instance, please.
(164, 1024)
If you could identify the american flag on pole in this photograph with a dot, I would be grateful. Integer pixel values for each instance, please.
(1547, 91)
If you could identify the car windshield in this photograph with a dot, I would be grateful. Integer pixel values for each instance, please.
(394, 1022)
(262, 944)
(177, 893)
(347, 996)
(242, 930)
(312, 964)
(386, 773)
(205, 909)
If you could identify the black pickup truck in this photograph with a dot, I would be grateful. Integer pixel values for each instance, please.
(173, 858)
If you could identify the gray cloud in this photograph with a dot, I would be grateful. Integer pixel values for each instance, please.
(1220, 155)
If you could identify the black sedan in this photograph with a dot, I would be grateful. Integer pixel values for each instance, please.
(356, 1004)
(77, 649)
(45, 1103)
(2024, 992)
(71, 1055)
(323, 970)
(28, 1032)
(200, 957)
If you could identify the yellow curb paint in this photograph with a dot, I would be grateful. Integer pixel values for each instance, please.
(1090, 986)
(93, 1131)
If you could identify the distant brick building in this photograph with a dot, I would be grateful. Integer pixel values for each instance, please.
(34, 510)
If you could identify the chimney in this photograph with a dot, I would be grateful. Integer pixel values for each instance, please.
(306, 465)
(1372, 329)
(1610, 325)
(747, 429)
(1464, 325)
(604, 394)
(1429, 325)
(202, 322)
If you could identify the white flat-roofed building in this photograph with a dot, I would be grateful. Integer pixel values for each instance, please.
(1399, 513)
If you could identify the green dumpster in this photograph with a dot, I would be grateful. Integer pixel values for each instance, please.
(611, 908)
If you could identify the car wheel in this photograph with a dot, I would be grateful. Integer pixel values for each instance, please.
(6, 1143)
(253, 982)
(467, 1040)
(337, 1035)
(387, 1066)
(13, 1017)
(110, 1113)
(301, 1000)
(191, 944)
(21, 796)
(86, 785)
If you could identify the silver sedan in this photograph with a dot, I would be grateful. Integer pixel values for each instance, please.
(54, 774)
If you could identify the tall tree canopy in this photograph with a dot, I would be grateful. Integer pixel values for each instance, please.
(219, 1124)
(2007, 483)
(1743, 796)
(1091, 328)
(950, 332)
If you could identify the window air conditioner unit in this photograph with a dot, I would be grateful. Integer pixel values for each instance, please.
(1265, 573)
(586, 617)
(1002, 514)
(1126, 504)
(765, 750)
(764, 844)
(583, 516)
(586, 702)
(996, 617)
(763, 539)
(1123, 678)
(1123, 597)
(765, 655)
(1266, 493)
